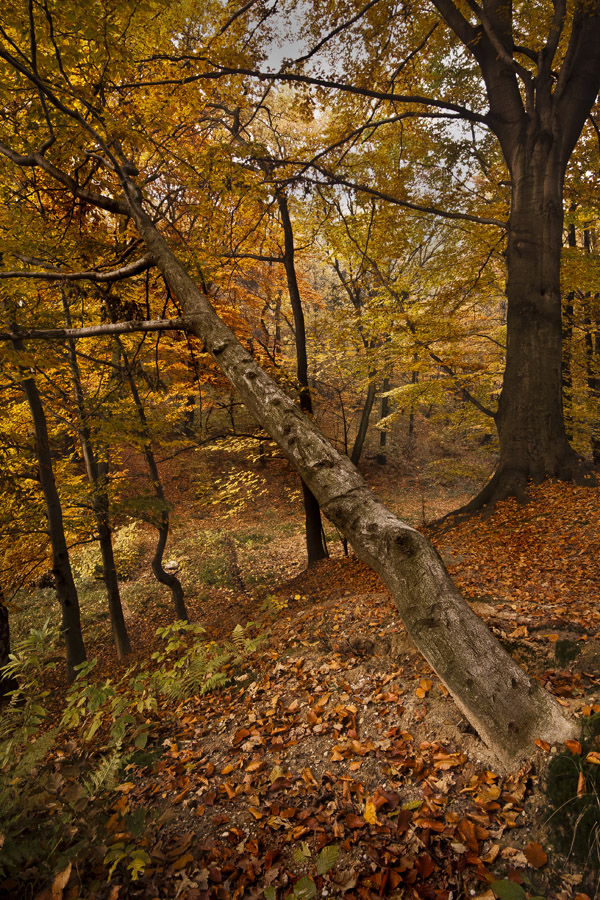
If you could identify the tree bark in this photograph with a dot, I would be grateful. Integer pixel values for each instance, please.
(361, 434)
(7, 684)
(97, 476)
(169, 579)
(315, 547)
(385, 411)
(537, 117)
(64, 584)
(533, 442)
(567, 355)
(592, 365)
(506, 707)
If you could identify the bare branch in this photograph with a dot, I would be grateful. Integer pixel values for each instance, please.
(256, 256)
(38, 160)
(337, 30)
(417, 207)
(109, 328)
(220, 71)
(134, 268)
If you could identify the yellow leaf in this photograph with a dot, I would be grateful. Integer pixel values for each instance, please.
(593, 757)
(370, 813)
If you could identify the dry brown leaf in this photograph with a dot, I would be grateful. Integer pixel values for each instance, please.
(535, 855)
(60, 881)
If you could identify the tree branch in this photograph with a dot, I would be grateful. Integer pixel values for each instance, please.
(223, 71)
(382, 195)
(135, 268)
(58, 334)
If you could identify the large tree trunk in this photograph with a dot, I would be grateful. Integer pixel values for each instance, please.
(537, 115)
(508, 709)
(530, 418)
(533, 442)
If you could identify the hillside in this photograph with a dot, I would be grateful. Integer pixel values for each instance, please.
(334, 733)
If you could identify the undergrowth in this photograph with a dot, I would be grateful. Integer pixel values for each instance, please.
(59, 774)
(573, 791)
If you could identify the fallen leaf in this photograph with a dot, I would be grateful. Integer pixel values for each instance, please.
(370, 814)
(536, 855)
(182, 862)
(60, 882)
(354, 821)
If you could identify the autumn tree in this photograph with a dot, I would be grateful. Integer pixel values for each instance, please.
(82, 94)
(62, 573)
(531, 81)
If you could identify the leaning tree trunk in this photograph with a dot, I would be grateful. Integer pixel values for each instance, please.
(315, 545)
(508, 709)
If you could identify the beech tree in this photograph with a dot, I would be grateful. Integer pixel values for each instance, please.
(62, 573)
(540, 96)
(83, 160)
(532, 79)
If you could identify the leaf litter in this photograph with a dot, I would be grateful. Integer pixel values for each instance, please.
(337, 734)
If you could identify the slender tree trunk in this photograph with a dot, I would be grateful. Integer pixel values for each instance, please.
(508, 709)
(567, 357)
(414, 377)
(315, 546)
(64, 584)
(592, 366)
(385, 411)
(98, 481)
(361, 434)
(7, 684)
(355, 295)
(167, 578)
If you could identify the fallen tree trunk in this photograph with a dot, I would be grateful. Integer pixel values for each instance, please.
(507, 708)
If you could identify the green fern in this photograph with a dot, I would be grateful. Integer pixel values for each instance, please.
(105, 775)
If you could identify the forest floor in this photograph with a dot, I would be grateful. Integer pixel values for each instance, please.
(334, 732)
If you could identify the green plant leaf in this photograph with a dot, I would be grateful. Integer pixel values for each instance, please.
(327, 859)
(305, 888)
(301, 853)
(508, 890)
